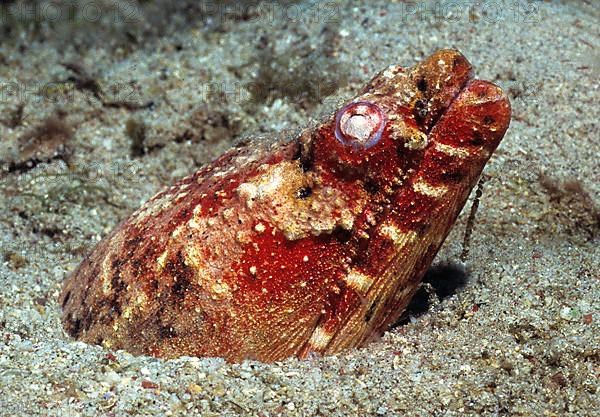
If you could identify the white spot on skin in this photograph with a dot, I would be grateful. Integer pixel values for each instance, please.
(273, 194)
(204, 277)
(253, 270)
(305, 259)
(180, 196)
(106, 281)
(320, 338)
(162, 260)
(358, 281)
(243, 237)
(437, 191)
(417, 140)
(452, 150)
(248, 192)
(193, 224)
(260, 228)
(413, 138)
(138, 302)
(388, 73)
(175, 234)
(271, 183)
(399, 238)
(219, 290)
(228, 213)
(391, 71)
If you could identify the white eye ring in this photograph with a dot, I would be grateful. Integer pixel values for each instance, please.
(359, 124)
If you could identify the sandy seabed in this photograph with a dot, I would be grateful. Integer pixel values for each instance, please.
(102, 106)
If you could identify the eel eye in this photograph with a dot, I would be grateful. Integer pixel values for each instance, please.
(359, 124)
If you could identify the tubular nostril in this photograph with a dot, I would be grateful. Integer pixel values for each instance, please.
(359, 124)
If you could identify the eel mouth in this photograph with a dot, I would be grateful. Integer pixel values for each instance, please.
(444, 110)
(438, 81)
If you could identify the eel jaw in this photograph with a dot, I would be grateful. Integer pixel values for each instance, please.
(438, 81)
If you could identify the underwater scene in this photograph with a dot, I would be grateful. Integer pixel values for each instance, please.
(299, 208)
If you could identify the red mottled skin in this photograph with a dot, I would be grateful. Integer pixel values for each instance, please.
(304, 246)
